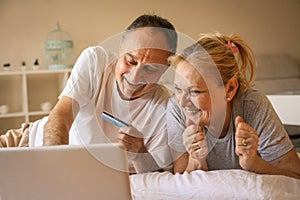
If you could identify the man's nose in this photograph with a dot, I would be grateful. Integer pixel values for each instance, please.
(136, 75)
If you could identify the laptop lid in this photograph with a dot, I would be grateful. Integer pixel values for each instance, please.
(97, 171)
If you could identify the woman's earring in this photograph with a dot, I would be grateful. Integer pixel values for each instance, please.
(228, 99)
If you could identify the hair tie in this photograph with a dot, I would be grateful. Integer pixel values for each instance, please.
(233, 48)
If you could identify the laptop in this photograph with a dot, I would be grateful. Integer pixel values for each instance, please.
(97, 171)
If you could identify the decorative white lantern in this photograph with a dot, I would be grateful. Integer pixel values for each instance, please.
(59, 49)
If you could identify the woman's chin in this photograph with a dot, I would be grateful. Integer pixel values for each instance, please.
(193, 118)
(197, 120)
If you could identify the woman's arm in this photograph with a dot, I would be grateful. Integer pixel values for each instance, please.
(288, 165)
(180, 161)
(183, 162)
(184, 139)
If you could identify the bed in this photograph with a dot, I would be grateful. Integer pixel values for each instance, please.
(221, 184)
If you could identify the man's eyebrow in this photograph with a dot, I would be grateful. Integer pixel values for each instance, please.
(132, 56)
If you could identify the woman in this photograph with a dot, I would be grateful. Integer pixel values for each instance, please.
(216, 120)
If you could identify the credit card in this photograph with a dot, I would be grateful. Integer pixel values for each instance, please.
(114, 120)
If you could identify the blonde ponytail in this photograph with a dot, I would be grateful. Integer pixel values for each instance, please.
(245, 61)
(230, 54)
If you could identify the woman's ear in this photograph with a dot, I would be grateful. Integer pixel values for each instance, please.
(231, 88)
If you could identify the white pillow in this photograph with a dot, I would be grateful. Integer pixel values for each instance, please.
(221, 184)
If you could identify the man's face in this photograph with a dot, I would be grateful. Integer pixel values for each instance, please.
(142, 61)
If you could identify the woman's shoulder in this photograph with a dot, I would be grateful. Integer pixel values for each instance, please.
(172, 99)
(172, 103)
(250, 101)
(251, 95)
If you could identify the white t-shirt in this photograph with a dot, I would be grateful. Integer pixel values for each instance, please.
(93, 85)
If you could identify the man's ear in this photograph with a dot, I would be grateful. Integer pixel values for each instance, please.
(231, 88)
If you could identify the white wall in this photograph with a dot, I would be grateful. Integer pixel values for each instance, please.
(269, 26)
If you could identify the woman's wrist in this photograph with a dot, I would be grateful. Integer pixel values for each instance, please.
(196, 164)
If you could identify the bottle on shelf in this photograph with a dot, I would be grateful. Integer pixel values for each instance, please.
(23, 65)
(6, 66)
(36, 64)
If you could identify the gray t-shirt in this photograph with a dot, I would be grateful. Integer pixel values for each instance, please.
(256, 110)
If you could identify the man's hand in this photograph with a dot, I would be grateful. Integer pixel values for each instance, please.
(132, 139)
(133, 142)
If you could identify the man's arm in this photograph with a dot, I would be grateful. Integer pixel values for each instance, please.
(56, 130)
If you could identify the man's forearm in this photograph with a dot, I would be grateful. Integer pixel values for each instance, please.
(56, 130)
(55, 133)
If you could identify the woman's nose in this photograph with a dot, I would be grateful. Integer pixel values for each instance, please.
(185, 99)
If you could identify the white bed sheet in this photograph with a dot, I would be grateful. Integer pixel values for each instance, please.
(221, 184)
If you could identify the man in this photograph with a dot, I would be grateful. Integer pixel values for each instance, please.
(126, 87)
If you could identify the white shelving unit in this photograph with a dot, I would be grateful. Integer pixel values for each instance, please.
(24, 91)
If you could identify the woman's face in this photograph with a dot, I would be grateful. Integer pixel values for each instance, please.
(193, 95)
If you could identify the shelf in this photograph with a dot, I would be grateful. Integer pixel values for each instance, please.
(48, 71)
(25, 90)
(33, 113)
(15, 114)
(39, 71)
(8, 73)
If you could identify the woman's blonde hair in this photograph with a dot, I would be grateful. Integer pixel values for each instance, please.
(230, 54)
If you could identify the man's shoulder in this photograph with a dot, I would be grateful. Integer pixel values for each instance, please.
(98, 59)
(100, 53)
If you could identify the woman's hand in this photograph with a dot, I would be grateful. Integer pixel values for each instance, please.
(246, 139)
(194, 140)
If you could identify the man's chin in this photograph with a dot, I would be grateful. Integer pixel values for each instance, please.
(128, 95)
(138, 92)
